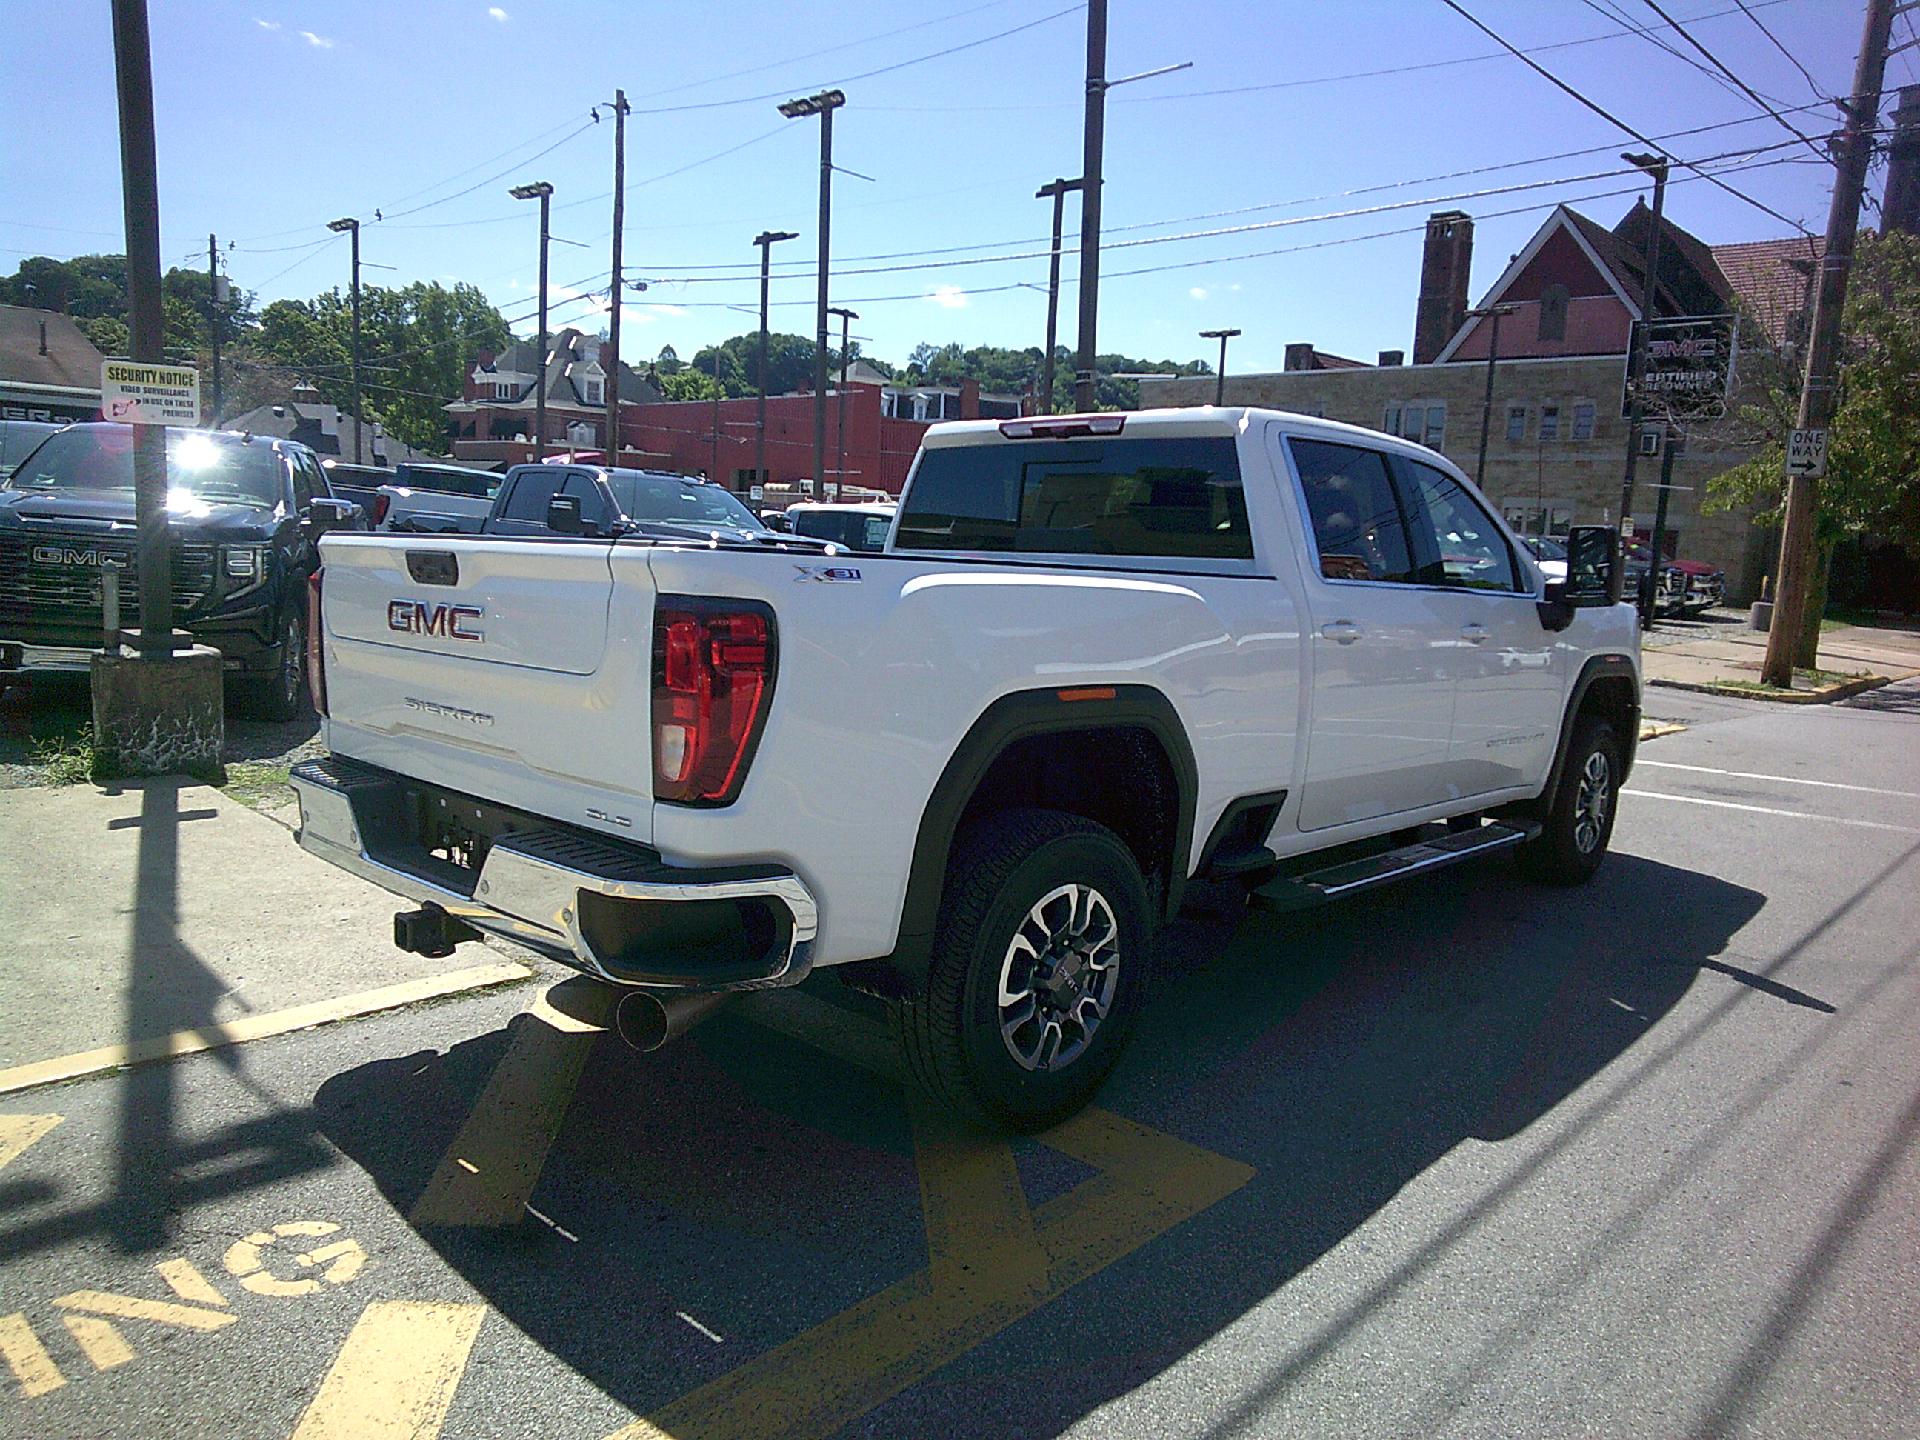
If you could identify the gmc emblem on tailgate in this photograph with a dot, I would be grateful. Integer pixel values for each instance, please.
(416, 617)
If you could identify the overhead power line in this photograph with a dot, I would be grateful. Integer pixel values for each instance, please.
(1605, 114)
(1812, 84)
(1768, 106)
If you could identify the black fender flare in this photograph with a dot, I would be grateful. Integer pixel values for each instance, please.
(1598, 667)
(1016, 717)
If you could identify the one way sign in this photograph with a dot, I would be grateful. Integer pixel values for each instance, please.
(1807, 453)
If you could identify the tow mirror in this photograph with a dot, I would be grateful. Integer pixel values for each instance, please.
(325, 513)
(563, 515)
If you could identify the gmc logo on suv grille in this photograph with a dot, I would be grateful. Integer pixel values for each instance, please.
(416, 617)
(67, 555)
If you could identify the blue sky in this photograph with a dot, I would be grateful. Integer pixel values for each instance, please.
(277, 115)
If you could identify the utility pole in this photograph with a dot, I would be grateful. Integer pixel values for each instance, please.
(619, 228)
(352, 227)
(1057, 191)
(1790, 622)
(847, 317)
(1093, 146)
(543, 192)
(1656, 166)
(133, 75)
(823, 105)
(1220, 375)
(1492, 312)
(213, 325)
(766, 239)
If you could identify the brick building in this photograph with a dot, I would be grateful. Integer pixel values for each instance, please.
(1557, 443)
(493, 420)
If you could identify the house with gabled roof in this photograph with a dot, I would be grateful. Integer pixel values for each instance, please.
(493, 420)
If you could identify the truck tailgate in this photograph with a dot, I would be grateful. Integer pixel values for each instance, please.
(512, 669)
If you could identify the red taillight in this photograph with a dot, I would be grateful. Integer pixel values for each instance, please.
(316, 649)
(382, 503)
(713, 666)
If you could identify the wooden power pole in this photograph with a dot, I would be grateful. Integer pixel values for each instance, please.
(613, 319)
(1817, 390)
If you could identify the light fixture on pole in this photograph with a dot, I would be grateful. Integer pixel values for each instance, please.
(1057, 192)
(543, 192)
(1656, 166)
(823, 105)
(1220, 378)
(847, 317)
(765, 240)
(1493, 313)
(351, 227)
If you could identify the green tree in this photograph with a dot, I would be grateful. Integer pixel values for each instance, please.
(1873, 441)
(667, 362)
(686, 384)
(93, 290)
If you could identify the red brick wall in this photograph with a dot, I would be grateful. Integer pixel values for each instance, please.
(878, 450)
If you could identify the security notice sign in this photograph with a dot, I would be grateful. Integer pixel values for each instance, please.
(141, 394)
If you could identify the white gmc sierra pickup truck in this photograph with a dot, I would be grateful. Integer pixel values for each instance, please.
(1100, 657)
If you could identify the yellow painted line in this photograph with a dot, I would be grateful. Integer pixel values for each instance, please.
(132, 1307)
(188, 1283)
(17, 1132)
(395, 1376)
(489, 1171)
(99, 1340)
(823, 1379)
(1654, 729)
(979, 1230)
(258, 1027)
(27, 1358)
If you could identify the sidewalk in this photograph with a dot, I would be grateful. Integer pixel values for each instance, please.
(1727, 654)
(158, 919)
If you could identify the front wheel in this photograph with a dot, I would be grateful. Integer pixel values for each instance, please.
(1038, 972)
(1579, 822)
(281, 694)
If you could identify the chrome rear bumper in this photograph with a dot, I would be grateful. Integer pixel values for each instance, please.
(566, 892)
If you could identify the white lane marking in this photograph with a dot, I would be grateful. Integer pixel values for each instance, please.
(1768, 810)
(1781, 779)
(698, 1326)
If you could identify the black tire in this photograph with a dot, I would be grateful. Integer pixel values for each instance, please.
(1002, 871)
(1573, 842)
(281, 695)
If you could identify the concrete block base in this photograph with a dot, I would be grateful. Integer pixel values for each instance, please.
(158, 715)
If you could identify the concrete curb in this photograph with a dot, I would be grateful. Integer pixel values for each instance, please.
(1654, 729)
(1780, 697)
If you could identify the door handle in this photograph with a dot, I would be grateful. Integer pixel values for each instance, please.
(1343, 632)
(1474, 634)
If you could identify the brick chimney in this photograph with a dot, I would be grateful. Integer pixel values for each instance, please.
(1298, 356)
(1393, 357)
(1900, 210)
(1444, 268)
(969, 399)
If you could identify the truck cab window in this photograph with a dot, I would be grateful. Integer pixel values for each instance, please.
(1357, 525)
(1459, 543)
(532, 490)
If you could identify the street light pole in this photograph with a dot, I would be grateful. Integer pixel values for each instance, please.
(1057, 191)
(765, 240)
(213, 326)
(1492, 312)
(620, 108)
(1220, 376)
(823, 105)
(1656, 166)
(543, 192)
(352, 227)
(847, 317)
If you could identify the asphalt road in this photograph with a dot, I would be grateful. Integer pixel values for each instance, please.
(1465, 1158)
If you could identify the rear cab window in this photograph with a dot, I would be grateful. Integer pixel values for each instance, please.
(1157, 497)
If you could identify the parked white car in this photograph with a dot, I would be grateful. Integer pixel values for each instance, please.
(1100, 658)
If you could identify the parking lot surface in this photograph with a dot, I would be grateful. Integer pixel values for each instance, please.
(1468, 1157)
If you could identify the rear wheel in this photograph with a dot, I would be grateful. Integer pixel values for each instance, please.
(281, 694)
(1038, 972)
(1579, 823)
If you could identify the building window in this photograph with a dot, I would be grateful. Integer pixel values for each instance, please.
(1553, 312)
(1549, 422)
(1516, 422)
(503, 391)
(1583, 420)
(596, 392)
(1424, 424)
(1390, 420)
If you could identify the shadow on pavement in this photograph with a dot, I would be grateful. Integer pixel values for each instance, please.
(746, 1185)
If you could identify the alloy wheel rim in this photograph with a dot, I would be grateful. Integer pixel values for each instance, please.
(1059, 977)
(1592, 802)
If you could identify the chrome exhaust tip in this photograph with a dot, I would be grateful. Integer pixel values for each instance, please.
(646, 1021)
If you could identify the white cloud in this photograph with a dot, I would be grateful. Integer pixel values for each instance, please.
(268, 24)
(948, 297)
(1198, 292)
(1235, 288)
(318, 42)
(497, 13)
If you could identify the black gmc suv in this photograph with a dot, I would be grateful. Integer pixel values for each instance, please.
(245, 514)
